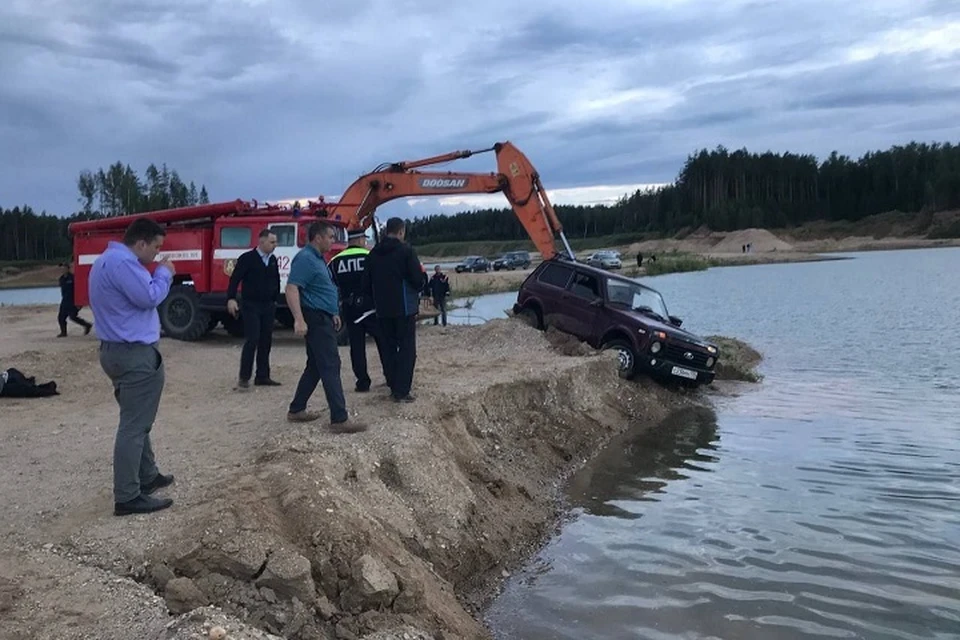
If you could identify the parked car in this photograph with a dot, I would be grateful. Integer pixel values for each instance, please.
(473, 264)
(609, 311)
(605, 260)
(512, 260)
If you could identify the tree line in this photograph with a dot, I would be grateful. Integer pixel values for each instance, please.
(726, 191)
(118, 190)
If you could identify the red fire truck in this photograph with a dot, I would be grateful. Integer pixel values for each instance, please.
(204, 241)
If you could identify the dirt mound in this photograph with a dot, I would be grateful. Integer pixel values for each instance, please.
(737, 361)
(761, 241)
(289, 529)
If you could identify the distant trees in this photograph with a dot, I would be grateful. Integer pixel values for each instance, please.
(726, 191)
(118, 190)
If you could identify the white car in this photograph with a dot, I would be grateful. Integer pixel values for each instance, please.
(605, 260)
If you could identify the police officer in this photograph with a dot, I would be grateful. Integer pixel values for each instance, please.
(347, 268)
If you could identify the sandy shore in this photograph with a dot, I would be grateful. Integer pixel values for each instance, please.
(289, 529)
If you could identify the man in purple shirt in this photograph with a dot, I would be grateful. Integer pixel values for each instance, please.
(124, 299)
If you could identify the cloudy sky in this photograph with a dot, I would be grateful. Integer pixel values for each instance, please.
(275, 99)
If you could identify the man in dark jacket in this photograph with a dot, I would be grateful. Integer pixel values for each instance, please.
(67, 308)
(347, 268)
(394, 279)
(258, 277)
(439, 288)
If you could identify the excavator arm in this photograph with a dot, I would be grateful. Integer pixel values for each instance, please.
(516, 179)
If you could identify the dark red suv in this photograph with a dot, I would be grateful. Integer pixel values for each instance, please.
(610, 311)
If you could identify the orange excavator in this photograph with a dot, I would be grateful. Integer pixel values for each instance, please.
(516, 179)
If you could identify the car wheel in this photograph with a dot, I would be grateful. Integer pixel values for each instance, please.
(530, 317)
(626, 358)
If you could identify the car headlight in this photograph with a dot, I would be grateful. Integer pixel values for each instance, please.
(709, 362)
(655, 347)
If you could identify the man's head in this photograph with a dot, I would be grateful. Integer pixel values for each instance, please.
(436, 269)
(267, 241)
(67, 266)
(396, 228)
(144, 237)
(321, 235)
(357, 238)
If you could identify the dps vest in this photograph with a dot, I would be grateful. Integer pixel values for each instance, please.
(347, 268)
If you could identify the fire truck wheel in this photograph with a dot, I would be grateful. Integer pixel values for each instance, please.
(181, 315)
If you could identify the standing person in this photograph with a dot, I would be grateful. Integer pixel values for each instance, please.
(258, 276)
(347, 268)
(313, 301)
(394, 278)
(124, 299)
(439, 287)
(67, 307)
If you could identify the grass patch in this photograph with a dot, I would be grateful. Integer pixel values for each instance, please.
(478, 287)
(679, 263)
(737, 360)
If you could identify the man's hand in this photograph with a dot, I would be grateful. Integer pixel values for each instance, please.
(300, 327)
(165, 261)
(337, 323)
(233, 308)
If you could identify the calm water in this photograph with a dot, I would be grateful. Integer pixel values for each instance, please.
(33, 295)
(826, 504)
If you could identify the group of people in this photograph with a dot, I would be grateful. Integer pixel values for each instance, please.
(374, 292)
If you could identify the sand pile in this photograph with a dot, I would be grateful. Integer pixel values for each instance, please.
(761, 241)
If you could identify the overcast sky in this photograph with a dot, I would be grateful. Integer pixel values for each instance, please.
(275, 99)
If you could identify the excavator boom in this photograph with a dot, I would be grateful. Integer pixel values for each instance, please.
(516, 179)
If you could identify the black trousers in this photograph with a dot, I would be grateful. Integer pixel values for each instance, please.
(358, 346)
(399, 352)
(323, 365)
(70, 311)
(258, 318)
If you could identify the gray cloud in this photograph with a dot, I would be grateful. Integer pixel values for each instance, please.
(295, 98)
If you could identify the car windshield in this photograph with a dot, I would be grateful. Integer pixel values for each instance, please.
(637, 297)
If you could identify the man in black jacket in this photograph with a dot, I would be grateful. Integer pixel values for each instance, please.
(394, 278)
(67, 308)
(439, 288)
(258, 276)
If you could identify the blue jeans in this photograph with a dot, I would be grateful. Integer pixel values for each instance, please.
(323, 365)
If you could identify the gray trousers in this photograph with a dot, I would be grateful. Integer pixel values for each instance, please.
(136, 371)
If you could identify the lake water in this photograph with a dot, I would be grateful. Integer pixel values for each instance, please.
(32, 295)
(824, 504)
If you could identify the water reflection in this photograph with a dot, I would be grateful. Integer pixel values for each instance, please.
(637, 465)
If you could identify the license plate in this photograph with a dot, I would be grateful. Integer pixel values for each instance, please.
(684, 373)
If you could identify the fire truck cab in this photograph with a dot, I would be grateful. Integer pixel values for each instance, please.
(204, 242)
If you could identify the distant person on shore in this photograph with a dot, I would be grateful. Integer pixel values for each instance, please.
(67, 307)
(124, 299)
(313, 301)
(257, 276)
(395, 278)
(639, 259)
(439, 288)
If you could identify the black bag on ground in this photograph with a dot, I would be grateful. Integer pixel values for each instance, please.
(17, 385)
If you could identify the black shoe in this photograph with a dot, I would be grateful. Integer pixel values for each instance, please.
(159, 482)
(362, 388)
(61, 335)
(406, 398)
(141, 504)
(243, 384)
(266, 382)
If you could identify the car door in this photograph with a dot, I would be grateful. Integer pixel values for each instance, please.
(551, 286)
(287, 248)
(580, 304)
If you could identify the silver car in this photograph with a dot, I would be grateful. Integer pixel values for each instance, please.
(605, 260)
